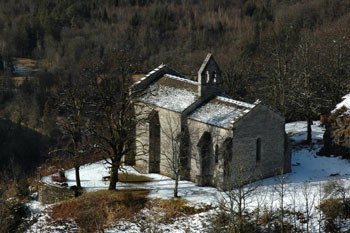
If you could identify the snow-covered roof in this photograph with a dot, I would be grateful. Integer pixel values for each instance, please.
(176, 93)
(236, 102)
(153, 71)
(344, 104)
(171, 92)
(181, 79)
(221, 111)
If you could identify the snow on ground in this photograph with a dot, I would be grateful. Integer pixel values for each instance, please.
(309, 172)
(344, 104)
(161, 186)
(194, 224)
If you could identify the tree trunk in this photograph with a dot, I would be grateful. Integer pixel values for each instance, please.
(77, 176)
(309, 132)
(113, 176)
(176, 185)
(240, 210)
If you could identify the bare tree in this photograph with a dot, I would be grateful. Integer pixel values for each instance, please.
(73, 102)
(294, 196)
(306, 85)
(260, 200)
(334, 44)
(172, 139)
(235, 199)
(278, 67)
(309, 198)
(320, 197)
(280, 188)
(113, 128)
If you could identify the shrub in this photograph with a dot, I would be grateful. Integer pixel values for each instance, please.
(174, 208)
(133, 178)
(11, 215)
(22, 188)
(332, 209)
(59, 179)
(92, 211)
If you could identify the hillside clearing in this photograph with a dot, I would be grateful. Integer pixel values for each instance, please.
(309, 172)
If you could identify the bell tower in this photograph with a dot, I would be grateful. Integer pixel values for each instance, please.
(209, 77)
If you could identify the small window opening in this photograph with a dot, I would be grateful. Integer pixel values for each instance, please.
(258, 151)
(216, 153)
(208, 77)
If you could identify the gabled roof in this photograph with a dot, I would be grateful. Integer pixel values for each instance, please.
(166, 88)
(221, 111)
(171, 92)
(154, 75)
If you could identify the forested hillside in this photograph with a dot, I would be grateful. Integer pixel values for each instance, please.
(291, 54)
(73, 105)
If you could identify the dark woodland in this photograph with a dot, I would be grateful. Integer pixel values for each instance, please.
(293, 55)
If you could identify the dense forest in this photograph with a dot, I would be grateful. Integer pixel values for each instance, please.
(291, 54)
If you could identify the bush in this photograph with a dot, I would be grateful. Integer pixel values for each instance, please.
(133, 178)
(59, 179)
(22, 189)
(92, 211)
(174, 208)
(332, 209)
(11, 215)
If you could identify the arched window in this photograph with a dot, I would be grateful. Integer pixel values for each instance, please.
(154, 142)
(208, 77)
(258, 151)
(214, 77)
(206, 159)
(216, 153)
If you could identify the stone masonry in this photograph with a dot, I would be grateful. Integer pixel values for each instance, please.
(216, 140)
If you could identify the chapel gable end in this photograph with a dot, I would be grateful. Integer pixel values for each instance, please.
(209, 77)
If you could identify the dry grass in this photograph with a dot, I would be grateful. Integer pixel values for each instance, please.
(93, 211)
(133, 178)
(27, 62)
(137, 77)
(97, 210)
(59, 179)
(169, 210)
(19, 80)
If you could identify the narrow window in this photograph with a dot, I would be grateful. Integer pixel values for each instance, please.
(216, 153)
(258, 151)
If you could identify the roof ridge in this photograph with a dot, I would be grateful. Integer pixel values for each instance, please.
(152, 72)
(205, 62)
(181, 79)
(237, 102)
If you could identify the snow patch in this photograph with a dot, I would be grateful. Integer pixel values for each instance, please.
(344, 104)
(176, 99)
(152, 72)
(181, 79)
(236, 102)
(308, 170)
(218, 114)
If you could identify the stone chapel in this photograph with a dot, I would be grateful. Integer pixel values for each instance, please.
(214, 139)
